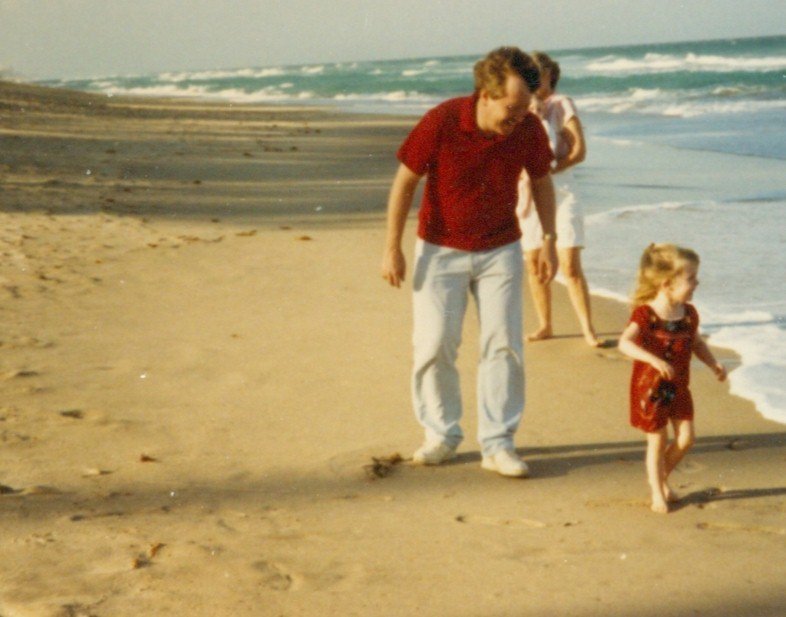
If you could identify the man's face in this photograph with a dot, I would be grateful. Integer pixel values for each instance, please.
(500, 116)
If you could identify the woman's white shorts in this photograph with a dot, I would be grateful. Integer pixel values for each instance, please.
(569, 218)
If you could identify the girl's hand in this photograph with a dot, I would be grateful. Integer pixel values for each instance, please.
(720, 371)
(665, 369)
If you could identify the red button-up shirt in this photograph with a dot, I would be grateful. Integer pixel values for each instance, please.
(469, 201)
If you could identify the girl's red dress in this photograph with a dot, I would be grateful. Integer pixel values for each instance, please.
(671, 341)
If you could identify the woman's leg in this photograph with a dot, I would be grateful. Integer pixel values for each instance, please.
(570, 265)
(541, 297)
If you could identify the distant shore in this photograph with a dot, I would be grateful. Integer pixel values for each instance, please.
(200, 364)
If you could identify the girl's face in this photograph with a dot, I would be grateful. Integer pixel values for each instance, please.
(680, 288)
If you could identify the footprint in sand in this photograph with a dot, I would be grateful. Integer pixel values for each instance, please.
(94, 416)
(94, 472)
(275, 576)
(335, 576)
(13, 290)
(500, 522)
(13, 437)
(9, 414)
(612, 503)
(40, 489)
(727, 526)
(332, 575)
(691, 466)
(41, 539)
(273, 523)
(16, 373)
(78, 610)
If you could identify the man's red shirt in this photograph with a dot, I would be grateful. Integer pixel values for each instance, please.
(469, 201)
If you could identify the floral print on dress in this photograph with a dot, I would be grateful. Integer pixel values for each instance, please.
(655, 401)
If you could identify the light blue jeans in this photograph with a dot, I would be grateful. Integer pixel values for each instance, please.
(443, 280)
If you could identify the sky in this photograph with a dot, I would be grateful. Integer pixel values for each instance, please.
(43, 39)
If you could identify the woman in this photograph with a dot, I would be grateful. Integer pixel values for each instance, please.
(562, 123)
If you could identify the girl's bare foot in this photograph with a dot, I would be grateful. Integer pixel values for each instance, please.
(540, 335)
(670, 495)
(659, 505)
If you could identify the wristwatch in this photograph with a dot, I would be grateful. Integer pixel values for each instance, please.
(550, 237)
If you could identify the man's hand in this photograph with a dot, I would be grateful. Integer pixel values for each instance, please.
(547, 261)
(543, 195)
(394, 267)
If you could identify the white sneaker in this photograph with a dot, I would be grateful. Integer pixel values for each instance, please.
(433, 454)
(506, 463)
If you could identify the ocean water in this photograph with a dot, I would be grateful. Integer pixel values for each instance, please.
(686, 141)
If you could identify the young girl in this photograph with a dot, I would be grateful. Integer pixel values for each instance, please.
(661, 338)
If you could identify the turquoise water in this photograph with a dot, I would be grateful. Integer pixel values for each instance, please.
(687, 144)
(730, 94)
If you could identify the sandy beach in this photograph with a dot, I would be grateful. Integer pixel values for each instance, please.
(206, 396)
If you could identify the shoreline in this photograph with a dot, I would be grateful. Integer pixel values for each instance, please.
(328, 117)
(731, 353)
(198, 376)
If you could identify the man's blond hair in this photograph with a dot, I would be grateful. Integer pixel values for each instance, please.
(492, 71)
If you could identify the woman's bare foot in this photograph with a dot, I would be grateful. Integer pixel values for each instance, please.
(540, 335)
(593, 341)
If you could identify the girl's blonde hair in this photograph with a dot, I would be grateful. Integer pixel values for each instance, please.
(660, 263)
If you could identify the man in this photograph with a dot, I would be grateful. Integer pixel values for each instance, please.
(472, 151)
(567, 142)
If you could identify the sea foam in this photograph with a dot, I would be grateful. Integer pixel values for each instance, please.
(658, 102)
(761, 376)
(659, 63)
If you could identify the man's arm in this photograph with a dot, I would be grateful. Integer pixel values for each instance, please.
(394, 265)
(574, 135)
(543, 195)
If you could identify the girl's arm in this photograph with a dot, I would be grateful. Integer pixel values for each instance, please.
(630, 348)
(703, 353)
